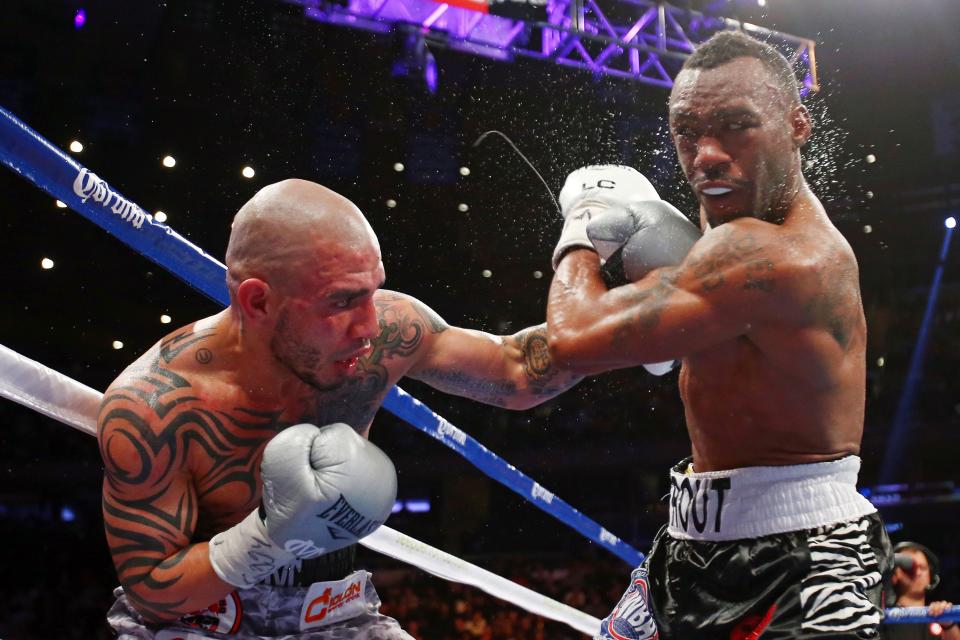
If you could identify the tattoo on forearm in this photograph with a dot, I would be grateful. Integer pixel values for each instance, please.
(485, 390)
(648, 304)
(537, 362)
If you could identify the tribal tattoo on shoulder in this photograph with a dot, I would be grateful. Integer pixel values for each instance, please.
(152, 431)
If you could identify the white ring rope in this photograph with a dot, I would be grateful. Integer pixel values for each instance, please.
(62, 398)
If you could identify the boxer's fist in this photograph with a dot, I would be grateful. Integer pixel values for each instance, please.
(323, 489)
(589, 192)
(637, 238)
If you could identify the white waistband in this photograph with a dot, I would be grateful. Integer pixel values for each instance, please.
(757, 501)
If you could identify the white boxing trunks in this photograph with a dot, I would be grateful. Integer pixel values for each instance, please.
(332, 610)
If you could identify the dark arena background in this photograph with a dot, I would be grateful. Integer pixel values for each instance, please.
(387, 116)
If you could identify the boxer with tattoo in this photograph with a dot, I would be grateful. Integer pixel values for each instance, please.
(768, 536)
(238, 474)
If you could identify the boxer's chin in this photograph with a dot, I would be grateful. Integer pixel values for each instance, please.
(720, 210)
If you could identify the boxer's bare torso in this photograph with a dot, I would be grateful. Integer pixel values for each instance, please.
(205, 423)
(791, 389)
(183, 429)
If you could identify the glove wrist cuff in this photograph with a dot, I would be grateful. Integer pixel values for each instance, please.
(244, 554)
(573, 236)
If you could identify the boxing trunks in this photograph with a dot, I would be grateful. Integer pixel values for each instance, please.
(760, 552)
(283, 607)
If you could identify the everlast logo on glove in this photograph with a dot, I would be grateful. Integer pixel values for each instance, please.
(696, 505)
(343, 515)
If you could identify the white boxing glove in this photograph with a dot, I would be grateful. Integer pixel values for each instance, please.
(640, 237)
(590, 191)
(323, 489)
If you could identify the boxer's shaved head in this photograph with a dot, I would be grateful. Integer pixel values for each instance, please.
(276, 235)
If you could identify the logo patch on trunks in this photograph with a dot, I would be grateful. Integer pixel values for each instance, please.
(223, 616)
(632, 618)
(330, 602)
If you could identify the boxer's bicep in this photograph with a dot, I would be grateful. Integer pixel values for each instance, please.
(149, 505)
(730, 283)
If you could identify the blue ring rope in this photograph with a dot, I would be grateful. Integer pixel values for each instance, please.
(29, 154)
(920, 615)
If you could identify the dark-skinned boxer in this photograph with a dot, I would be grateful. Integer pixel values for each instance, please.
(768, 536)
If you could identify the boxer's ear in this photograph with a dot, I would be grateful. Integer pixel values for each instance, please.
(253, 299)
(801, 126)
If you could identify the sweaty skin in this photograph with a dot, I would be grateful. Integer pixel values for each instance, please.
(309, 336)
(765, 311)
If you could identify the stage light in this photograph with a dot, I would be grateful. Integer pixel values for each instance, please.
(46, 263)
(464, 171)
(169, 162)
(391, 203)
(248, 172)
(76, 146)
(871, 158)
(79, 18)
(486, 273)
(160, 216)
(950, 222)
(61, 204)
(462, 208)
(165, 319)
(117, 345)
(398, 166)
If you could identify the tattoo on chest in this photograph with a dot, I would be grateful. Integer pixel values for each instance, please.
(166, 451)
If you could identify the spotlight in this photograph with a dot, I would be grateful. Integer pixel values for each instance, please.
(117, 345)
(248, 172)
(412, 58)
(79, 19)
(486, 273)
(867, 228)
(871, 158)
(169, 162)
(537, 274)
(398, 167)
(464, 171)
(391, 203)
(165, 319)
(462, 208)
(950, 222)
(76, 146)
(160, 216)
(61, 205)
(881, 361)
(46, 263)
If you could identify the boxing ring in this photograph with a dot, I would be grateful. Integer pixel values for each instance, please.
(57, 396)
